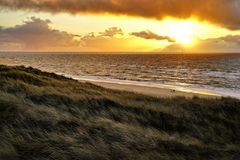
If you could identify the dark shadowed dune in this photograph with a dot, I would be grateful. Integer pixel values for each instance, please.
(47, 116)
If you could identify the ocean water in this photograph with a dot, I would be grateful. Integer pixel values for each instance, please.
(216, 73)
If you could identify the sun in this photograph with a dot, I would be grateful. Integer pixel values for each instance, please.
(182, 35)
(182, 31)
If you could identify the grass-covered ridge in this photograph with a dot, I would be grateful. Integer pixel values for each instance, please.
(46, 116)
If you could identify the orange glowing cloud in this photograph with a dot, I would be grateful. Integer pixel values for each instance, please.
(223, 12)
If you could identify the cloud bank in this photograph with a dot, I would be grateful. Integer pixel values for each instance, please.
(150, 35)
(111, 32)
(35, 34)
(223, 12)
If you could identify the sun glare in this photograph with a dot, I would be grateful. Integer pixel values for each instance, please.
(183, 31)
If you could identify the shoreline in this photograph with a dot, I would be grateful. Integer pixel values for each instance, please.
(153, 90)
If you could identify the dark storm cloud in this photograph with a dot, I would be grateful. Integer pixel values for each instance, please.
(150, 35)
(35, 34)
(222, 12)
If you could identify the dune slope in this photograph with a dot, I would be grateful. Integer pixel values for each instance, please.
(45, 116)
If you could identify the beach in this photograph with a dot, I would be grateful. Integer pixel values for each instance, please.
(156, 91)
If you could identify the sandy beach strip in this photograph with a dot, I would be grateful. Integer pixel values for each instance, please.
(156, 91)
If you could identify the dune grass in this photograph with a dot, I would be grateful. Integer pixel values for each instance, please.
(44, 116)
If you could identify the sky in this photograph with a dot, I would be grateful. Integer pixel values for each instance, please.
(120, 26)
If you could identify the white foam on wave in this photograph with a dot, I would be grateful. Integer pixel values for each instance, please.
(217, 74)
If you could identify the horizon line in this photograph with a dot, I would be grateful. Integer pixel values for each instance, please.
(119, 52)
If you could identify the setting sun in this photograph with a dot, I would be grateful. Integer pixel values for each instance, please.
(183, 31)
(183, 36)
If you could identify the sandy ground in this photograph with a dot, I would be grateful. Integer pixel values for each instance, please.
(155, 91)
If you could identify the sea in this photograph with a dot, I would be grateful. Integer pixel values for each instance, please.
(213, 73)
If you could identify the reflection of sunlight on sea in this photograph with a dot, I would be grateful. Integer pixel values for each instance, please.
(217, 73)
